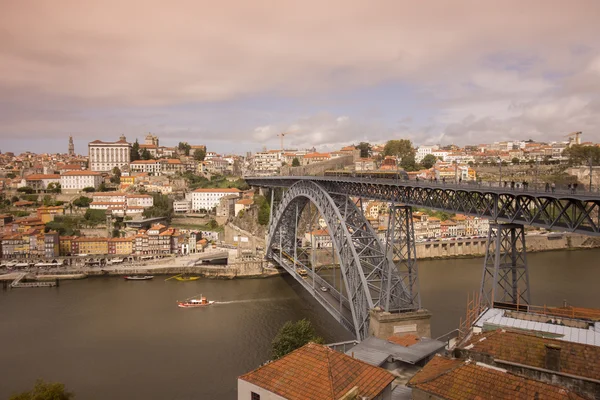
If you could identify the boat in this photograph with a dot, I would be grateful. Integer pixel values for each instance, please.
(194, 302)
(138, 277)
(187, 278)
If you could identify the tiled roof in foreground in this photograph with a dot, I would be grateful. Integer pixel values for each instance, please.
(529, 349)
(457, 380)
(315, 372)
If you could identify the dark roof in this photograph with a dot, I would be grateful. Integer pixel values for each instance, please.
(529, 349)
(315, 372)
(457, 380)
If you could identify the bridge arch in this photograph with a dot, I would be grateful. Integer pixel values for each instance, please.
(365, 263)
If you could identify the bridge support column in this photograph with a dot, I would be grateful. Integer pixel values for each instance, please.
(385, 324)
(505, 274)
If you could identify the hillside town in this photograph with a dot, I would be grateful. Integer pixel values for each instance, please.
(105, 202)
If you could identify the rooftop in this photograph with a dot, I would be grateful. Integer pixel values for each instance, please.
(317, 372)
(81, 173)
(377, 351)
(529, 349)
(457, 379)
(228, 190)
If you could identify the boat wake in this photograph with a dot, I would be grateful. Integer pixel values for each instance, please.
(251, 300)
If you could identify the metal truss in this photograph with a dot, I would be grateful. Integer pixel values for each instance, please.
(364, 262)
(400, 247)
(505, 275)
(561, 211)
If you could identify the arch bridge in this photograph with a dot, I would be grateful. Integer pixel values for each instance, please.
(382, 273)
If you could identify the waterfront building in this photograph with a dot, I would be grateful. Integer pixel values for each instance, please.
(122, 246)
(89, 245)
(105, 156)
(316, 372)
(51, 244)
(65, 245)
(75, 181)
(206, 199)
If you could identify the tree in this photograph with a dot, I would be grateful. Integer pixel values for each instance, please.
(116, 178)
(295, 162)
(53, 187)
(400, 148)
(162, 207)
(199, 154)
(14, 199)
(45, 391)
(582, 155)
(82, 202)
(365, 149)
(146, 155)
(116, 233)
(11, 175)
(47, 200)
(135, 151)
(292, 336)
(89, 189)
(428, 161)
(515, 161)
(212, 224)
(184, 147)
(26, 189)
(409, 163)
(264, 210)
(102, 187)
(94, 217)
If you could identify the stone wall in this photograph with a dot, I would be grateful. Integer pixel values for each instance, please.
(583, 175)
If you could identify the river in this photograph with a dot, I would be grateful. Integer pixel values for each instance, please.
(111, 338)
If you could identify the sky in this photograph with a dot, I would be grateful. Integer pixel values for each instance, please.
(234, 74)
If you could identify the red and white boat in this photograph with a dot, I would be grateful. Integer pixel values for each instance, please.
(190, 303)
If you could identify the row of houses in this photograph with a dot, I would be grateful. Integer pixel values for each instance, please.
(157, 240)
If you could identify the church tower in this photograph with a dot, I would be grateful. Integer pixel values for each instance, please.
(71, 146)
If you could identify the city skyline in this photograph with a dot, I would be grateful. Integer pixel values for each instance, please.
(234, 77)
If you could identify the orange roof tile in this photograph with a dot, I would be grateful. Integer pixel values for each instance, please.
(529, 349)
(81, 173)
(36, 177)
(405, 340)
(456, 379)
(315, 372)
(229, 190)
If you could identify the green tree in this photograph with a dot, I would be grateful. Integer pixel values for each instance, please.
(162, 207)
(89, 189)
(184, 147)
(94, 217)
(212, 224)
(11, 175)
(400, 148)
(146, 155)
(14, 199)
(47, 200)
(82, 202)
(54, 187)
(25, 189)
(428, 161)
(135, 151)
(408, 162)
(365, 149)
(116, 233)
(515, 161)
(295, 162)
(45, 391)
(199, 154)
(582, 155)
(116, 178)
(292, 336)
(264, 210)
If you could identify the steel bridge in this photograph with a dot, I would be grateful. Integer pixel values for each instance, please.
(383, 273)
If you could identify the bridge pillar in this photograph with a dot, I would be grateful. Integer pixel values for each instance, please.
(384, 324)
(505, 274)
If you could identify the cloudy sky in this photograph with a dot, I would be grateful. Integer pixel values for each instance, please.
(233, 74)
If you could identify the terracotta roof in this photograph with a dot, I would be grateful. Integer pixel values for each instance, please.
(81, 173)
(317, 155)
(144, 162)
(405, 340)
(315, 372)
(456, 379)
(108, 194)
(229, 190)
(36, 177)
(319, 232)
(529, 349)
(23, 203)
(246, 202)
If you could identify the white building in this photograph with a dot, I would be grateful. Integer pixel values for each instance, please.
(422, 151)
(208, 198)
(121, 203)
(79, 180)
(182, 206)
(104, 156)
(152, 167)
(267, 162)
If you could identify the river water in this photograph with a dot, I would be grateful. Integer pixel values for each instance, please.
(107, 338)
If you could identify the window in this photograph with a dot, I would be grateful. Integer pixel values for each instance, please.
(254, 396)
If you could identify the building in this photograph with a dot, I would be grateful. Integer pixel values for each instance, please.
(121, 246)
(151, 167)
(316, 372)
(47, 213)
(365, 164)
(71, 146)
(312, 158)
(182, 206)
(318, 239)
(121, 203)
(267, 163)
(105, 156)
(40, 181)
(89, 245)
(51, 244)
(75, 181)
(207, 199)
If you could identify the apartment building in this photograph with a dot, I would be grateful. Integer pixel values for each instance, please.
(206, 199)
(75, 181)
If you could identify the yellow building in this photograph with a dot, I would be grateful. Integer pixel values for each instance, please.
(65, 243)
(46, 214)
(123, 246)
(89, 245)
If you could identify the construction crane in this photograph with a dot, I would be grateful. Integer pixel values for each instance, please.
(577, 138)
(282, 135)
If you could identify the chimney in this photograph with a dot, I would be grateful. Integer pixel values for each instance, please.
(552, 361)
